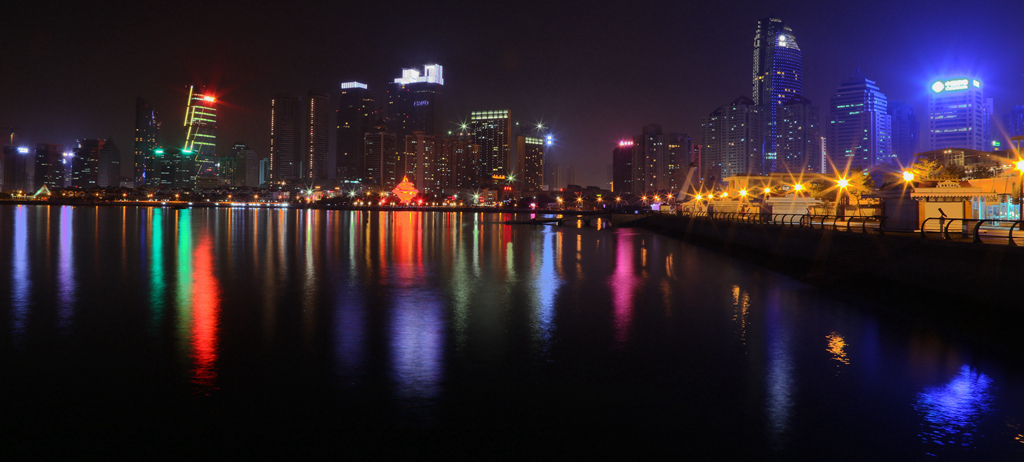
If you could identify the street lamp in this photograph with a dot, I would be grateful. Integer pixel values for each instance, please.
(908, 176)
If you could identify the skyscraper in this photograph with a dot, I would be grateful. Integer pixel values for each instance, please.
(18, 169)
(778, 76)
(799, 141)
(414, 102)
(530, 150)
(463, 160)
(381, 156)
(49, 166)
(905, 129)
(85, 164)
(356, 113)
(200, 123)
(108, 169)
(860, 129)
(622, 166)
(317, 123)
(147, 132)
(286, 116)
(492, 130)
(958, 114)
(731, 140)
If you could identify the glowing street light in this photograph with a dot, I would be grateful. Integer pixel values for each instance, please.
(908, 176)
(743, 193)
(843, 182)
(798, 187)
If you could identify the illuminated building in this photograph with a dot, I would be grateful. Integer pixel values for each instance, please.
(680, 156)
(381, 156)
(778, 76)
(49, 166)
(958, 114)
(147, 132)
(317, 123)
(530, 151)
(356, 113)
(85, 164)
(622, 166)
(421, 161)
(414, 102)
(731, 140)
(285, 138)
(859, 130)
(18, 169)
(200, 123)
(799, 141)
(108, 169)
(905, 131)
(492, 130)
(463, 162)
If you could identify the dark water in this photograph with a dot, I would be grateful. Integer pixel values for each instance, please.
(212, 334)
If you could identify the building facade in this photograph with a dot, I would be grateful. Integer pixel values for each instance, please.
(286, 117)
(317, 124)
(414, 102)
(958, 114)
(732, 140)
(905, 132)
(859, 130)
(147, 133)
(357, 111)
(777, 77)
(200, 123)
(492, 131)
(799, 141)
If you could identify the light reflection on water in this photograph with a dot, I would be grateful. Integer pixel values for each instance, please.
(424, 308)
(952, 412)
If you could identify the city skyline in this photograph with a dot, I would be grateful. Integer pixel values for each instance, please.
(552, 64)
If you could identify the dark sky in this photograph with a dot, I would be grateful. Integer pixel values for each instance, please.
(593, 71)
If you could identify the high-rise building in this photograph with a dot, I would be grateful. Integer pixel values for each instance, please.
(381, 153)
(286, 116)
(799, 141)
(317, 123)
(18, 169)
(414, 102)
(463, 161)
(108, 170)
(680, 155)
(622, 166)
(356, 113)
(958, 115)
(492, 130)
(731, 140)
(1013, 121)
(778, 76)
(530, 153)
(49, 166)
(860, 129)
(905, 129)
(85, 164)
(420, 162)
(147, 132)
(200, 123)
(570, 175)
(246, 170)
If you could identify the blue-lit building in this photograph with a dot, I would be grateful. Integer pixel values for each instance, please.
(777, 77)
(958, 114)
(905, 129)
(860, 129)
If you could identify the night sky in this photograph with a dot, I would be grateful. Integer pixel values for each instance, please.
(594, 72)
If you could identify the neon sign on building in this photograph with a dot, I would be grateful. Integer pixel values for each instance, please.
(940, 86)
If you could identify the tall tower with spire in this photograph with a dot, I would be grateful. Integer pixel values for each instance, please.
(778, 76)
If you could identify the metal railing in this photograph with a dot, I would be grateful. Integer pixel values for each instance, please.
(973, 230)
(862, 224)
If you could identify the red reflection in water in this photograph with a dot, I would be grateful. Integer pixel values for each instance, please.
(407, 247)
(624, 283)
(205, 312)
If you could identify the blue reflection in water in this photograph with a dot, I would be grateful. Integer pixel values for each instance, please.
(417, 344)
(951, 412)
(66, 269)
(545, 289)
(21, 285)
(780, 382)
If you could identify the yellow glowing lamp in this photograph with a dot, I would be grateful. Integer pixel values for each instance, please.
(725, 194)
(743, 192)
(798, 187)
(767, 190)
(1020, 165)
(843, 182)
(698, 196)
(908, 176)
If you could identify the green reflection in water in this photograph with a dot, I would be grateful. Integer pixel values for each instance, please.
(156, 267)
